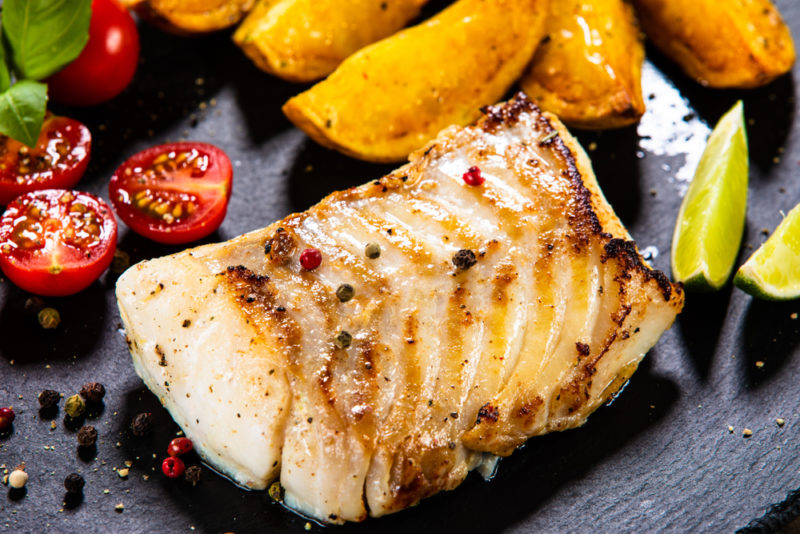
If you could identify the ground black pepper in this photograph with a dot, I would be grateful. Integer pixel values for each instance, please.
(464, 259)
(74, 483)
(49, 398)
(142, 424)
(93, 391)
(87, 436)
(193, 474)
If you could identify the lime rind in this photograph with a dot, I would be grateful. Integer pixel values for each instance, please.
(711, 219)
(773, 271)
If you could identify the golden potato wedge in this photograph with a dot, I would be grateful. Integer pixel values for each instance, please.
(305, 40)
(723, 44)
(393, 96)
(588, 69)
(191, 16)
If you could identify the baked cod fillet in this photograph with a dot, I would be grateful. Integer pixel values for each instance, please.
(494, 313)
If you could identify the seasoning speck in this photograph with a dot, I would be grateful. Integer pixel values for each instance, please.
(343, 339)
(730, 429)
(747, 432)
(87, 436)
(780, 422)
(48, 398)
(75, 406)
(17, 479)
(119, 508)
(759, 364)
(123, 473)
(74, 483)
(142, 424)
(345, 292)
(49, 318)
(307, 526)
(372, 250)
(464, 259)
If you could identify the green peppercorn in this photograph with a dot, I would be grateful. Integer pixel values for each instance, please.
(343, 340)
(372, 250)
(276, 491)
(49, 318)
(75, 406)
(345, 292)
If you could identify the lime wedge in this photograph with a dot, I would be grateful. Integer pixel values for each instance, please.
(773, 271)
(711, 219)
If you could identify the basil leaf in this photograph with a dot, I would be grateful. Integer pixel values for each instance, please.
(45, 35)
(5, 76)
(22, 110)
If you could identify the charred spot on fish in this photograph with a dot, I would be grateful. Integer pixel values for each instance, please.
(186, 323)
(507, 114)
(162, 357)
(489, 413)
(464, 259)
(280, 247)
(583, 348)
(630, 261)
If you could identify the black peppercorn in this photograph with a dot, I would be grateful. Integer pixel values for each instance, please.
(87, 436)
(464, 259)
(93, 391)
(142, 424)
(345, 292)
(49, 398)
(74, 483)
(192, 474)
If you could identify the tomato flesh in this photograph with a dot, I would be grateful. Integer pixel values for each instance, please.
(56, 242)
(173, 193)
(107, 63)
(58, 160)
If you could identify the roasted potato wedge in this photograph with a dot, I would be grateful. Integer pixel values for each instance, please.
(305, 40)
(724, 44)
(588, 69)
(391, 97)
(191, 16)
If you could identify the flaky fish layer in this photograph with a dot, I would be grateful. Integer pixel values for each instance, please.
(449, 365)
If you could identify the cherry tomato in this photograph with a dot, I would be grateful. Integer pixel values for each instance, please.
(179, 446)
(56, 242)
(58, 160)
(173, 193)
(106, 65)
(173, 467)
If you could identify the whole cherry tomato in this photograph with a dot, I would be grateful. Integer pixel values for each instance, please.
(106, 65)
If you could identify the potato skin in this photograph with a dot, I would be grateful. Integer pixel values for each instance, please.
(391, 97)
(191, 16)
(277, 34)
(722, 44)
(588, 70)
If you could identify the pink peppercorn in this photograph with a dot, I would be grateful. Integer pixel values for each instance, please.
(6, 418)
(179, 446)
(310, 259)
(173, 467)
(473, 176)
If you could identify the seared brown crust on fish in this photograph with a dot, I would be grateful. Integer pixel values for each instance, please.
(494, 313)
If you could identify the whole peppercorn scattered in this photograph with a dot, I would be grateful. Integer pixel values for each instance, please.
(372, 251)
(310, 259)
(93, 391)
(87, 436)
(7, 417)
(464, 259)
(49, 398)
(74, 483)
(172, 467)
(75, 406)
(179, 446)
(473, 176)
(345, 292)
(18, 478)
(49, 318)
(193, 474)
(276, 491)
(121, 261)
(343, 340)
(142, 424)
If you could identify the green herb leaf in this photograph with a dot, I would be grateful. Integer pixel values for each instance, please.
(45, 35)
(22, 110)
(5, 76)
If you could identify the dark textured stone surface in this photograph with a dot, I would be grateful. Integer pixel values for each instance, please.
(659, 458)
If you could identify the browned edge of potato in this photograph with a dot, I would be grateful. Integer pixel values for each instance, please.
(187, 17)
(305, 40)
(588, 69)
(721, 44)
(390, 98)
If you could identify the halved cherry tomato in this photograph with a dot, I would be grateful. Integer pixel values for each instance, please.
(107, 63)
(58, 160)
(173, 193)
(56, 242)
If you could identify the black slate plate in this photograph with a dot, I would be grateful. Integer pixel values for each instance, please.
(660, 458)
